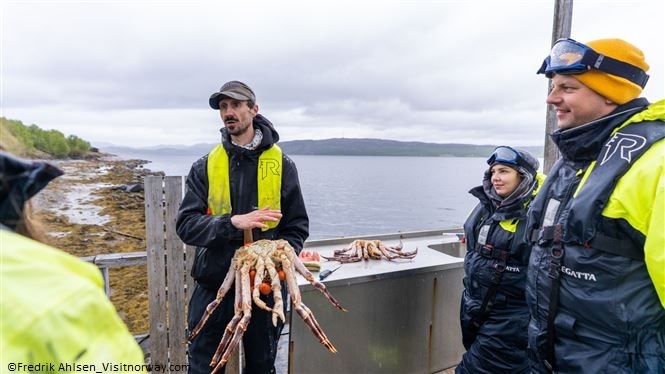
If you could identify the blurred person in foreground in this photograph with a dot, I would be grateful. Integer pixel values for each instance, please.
(494, 314)
(244, 183)
(53, 306)
(596, 279)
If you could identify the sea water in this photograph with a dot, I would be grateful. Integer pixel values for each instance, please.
(367, 195)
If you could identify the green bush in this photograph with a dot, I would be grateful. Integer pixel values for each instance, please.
(77, 146)
(52, 142)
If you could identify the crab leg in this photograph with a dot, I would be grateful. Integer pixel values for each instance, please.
(386, 253)
(230, 328)
(343, 258)
(258, 278)
(304, 312)
(300, 268)
(399, 246)
(223, 289)
(241, 323)
(278, 308)
(361, 249)
(343, 250)
(397, 251)
(409, 255)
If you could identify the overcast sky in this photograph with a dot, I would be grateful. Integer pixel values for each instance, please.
(139, 73)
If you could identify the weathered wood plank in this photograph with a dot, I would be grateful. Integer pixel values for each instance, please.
(175, 273)
(111, 260)
(154, 221)
(107, 281)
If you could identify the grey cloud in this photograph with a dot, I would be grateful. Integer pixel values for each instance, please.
(440, 70)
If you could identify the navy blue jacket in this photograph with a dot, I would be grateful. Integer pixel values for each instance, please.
(594, 310)
(496, 340)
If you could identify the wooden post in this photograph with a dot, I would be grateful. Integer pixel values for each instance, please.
(169, 284)
(175, 274)
(154, 227)
(563, 17)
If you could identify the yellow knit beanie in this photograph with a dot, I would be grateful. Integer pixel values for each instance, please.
(619, 90)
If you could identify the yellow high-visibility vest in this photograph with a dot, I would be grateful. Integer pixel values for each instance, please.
(269, 181)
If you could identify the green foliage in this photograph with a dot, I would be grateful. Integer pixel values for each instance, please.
(77, 146)
(33, 141)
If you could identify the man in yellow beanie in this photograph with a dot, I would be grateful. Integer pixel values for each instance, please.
(596, 276)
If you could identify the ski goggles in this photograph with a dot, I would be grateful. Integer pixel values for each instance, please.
(570, 57)
(508, 155)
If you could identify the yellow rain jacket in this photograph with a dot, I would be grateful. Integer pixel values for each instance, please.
(644, 207)
(55, 314)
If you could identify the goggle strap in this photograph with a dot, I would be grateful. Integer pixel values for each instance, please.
(543, 67)
(518, 162)
(616, 67)
(528, 167)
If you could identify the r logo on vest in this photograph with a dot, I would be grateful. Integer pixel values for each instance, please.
(627, 144)
(269, 166)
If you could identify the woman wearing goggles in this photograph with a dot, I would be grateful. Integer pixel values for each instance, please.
(493, 310)
(508, 155)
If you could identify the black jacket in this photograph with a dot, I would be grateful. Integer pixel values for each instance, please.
(592, 310)
(215, 237)
(496, 338)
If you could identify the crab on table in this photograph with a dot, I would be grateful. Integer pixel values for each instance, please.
(362, 249)
(268, 258)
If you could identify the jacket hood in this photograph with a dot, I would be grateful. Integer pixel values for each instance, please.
(583, 143)
(19, 181)
(528, 179)
(513, 206)
(270, 135)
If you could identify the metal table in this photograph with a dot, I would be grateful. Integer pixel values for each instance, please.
(403, 316)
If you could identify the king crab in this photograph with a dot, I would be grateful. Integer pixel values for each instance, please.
(267, 258)
(362, 249)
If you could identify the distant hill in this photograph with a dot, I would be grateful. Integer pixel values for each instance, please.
(344, 147)
(380, 147)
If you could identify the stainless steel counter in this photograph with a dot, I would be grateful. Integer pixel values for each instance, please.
(403, 315)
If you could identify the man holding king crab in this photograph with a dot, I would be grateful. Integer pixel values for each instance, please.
(244, 184)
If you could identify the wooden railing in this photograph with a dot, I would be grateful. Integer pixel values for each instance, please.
(168, 262)
(105, 262)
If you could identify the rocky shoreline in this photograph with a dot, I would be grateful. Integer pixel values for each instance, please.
(90, 211)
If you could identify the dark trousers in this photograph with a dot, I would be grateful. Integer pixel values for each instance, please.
(259, 341)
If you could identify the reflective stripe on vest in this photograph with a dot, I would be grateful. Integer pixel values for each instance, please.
(269, 181)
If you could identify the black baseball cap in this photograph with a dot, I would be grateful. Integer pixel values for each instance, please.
(234, 90)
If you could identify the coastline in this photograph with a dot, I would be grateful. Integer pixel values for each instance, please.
(88, 211)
